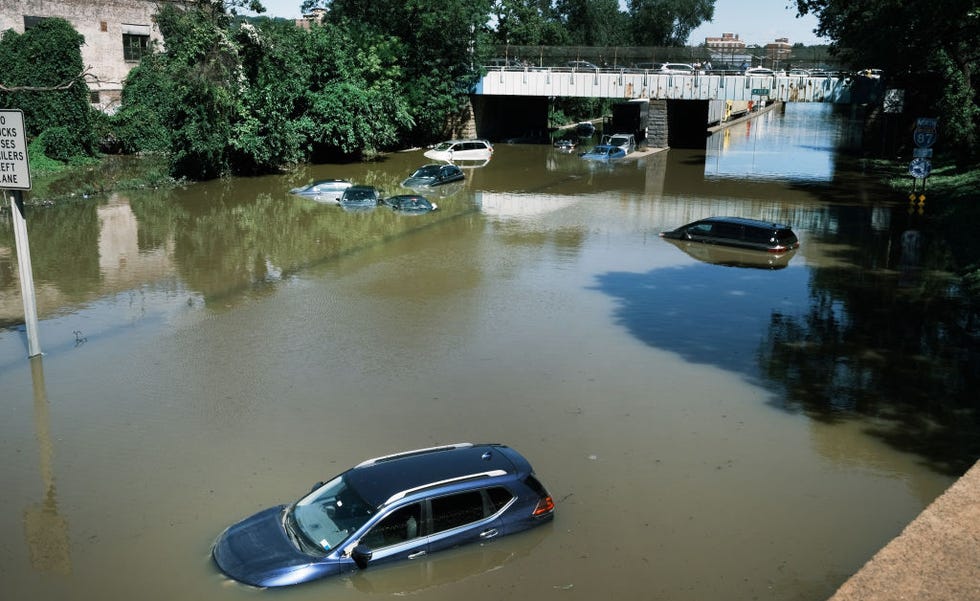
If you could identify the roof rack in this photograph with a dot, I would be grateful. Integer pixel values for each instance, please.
(383, 458)
(477, 476)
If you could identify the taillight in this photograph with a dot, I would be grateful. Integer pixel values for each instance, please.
(545, 506)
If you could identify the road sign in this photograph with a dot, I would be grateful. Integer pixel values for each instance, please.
(760, 91)
(925, 131)
(15, 173)
(924, 153)
(919, 168)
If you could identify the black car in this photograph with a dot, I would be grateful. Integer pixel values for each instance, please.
(433, 174)
(740, 232)
(360, 197)
(410, 203)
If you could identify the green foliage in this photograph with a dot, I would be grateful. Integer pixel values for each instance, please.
(525, 23)
(933, 57)
(667, 22)
(46, 63)
(594, 22)
(142, 124)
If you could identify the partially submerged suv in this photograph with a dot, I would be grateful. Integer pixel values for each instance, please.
(739, 232)
(400, 506)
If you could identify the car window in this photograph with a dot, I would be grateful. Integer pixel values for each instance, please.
(456, 510)
(758, 234)
(728, 230)
(500, 496)
(401, 525)
(700, 229)
(786, 237)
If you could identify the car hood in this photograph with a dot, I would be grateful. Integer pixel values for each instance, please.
(257, 551)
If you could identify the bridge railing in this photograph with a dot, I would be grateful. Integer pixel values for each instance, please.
(633, 84)
(619, 57)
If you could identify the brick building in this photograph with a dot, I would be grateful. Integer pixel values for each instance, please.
(728, 51)
(117, 33)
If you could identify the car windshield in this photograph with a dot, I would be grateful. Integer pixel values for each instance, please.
(360, 194)
(329, 514)
(443, 146)
(427, 171)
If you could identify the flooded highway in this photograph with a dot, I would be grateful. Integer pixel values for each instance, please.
(710, 427)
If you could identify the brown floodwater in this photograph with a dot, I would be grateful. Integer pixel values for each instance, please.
(217, 349)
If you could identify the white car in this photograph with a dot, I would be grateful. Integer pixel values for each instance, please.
(678, 68)
(460, 150)
(760, 72)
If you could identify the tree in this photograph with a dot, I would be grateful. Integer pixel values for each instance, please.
(442, 42)
(527, 23)
(932, 55)
(352, 102)
(44, 73)
(667, 22)
(594, 22)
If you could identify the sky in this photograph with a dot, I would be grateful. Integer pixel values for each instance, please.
(755, 21)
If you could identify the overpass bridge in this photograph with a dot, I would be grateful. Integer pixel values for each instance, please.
(509, 102)
(630, 84)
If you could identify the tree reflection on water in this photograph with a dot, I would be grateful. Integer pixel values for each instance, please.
(888, 334)
(880, 330)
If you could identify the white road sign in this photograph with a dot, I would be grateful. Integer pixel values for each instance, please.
(15, 174)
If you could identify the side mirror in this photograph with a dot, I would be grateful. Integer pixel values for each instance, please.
(317, 485)
(361, 556)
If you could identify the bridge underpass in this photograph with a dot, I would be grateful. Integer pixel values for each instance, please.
(513, 103)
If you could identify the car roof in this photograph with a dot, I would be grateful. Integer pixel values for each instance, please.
(747, 221)
(384, 479)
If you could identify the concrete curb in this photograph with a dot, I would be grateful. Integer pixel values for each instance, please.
(936, 557)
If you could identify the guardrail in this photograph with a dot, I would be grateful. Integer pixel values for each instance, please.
(624, 84)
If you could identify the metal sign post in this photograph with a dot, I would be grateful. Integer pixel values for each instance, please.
(15, 175)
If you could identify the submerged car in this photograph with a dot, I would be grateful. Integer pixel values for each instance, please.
(604, 152)
(625, 141)
(360, 197)
(328, 190)
(739, 232)
(433, 175)
(463, 150)
(395, 507)
(410, 203)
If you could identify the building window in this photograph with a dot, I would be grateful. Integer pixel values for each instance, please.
(136, 41)
(135, 46)
(30, 22)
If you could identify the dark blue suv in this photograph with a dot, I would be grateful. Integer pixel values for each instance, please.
(400, 506)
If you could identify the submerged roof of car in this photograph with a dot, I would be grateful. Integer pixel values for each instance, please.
(380, 479)
(747, 221)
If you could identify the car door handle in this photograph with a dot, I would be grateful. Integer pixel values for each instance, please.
(416, 554)
(489, 533)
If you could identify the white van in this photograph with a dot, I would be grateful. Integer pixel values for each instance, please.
(460, 150)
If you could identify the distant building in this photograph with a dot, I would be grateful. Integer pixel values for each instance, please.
(778, 52)
(727, 52)
(117, 35)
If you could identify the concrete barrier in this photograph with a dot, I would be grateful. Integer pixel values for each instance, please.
(936, 557)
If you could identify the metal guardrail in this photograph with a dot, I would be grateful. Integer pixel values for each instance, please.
(623, 84)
